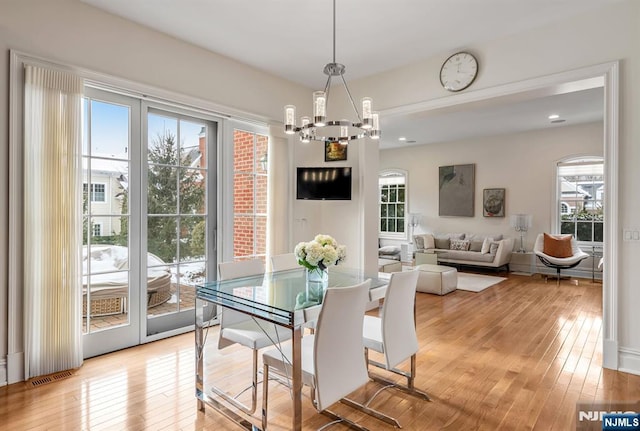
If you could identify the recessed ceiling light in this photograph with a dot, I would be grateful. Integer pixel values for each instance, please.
(402, 138)
(554, 117)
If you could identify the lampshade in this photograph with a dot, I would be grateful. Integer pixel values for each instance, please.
(521, 222)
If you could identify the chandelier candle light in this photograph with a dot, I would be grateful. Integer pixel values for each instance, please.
(318, 128)
(521, 223)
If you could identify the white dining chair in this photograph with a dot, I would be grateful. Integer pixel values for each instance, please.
(248, 331)
(394, 334)
(282, 262)
(332, 358)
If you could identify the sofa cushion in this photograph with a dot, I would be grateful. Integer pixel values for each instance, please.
(418, 241)
(476, 245)
(388, 250)
(486, 244)
(459, 244)
(493, 247)
(557, 245)
(442, 243)
(460, 255)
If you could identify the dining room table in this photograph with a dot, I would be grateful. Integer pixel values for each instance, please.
(284, 298)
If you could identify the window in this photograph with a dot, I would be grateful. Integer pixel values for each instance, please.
(98, 192)
(250, 181)
(581, 198)
(392, 200)
(96, 229)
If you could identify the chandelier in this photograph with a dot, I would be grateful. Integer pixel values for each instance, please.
(318, 128)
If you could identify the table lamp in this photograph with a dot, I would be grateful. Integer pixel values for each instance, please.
(521, 223)
(413, 222)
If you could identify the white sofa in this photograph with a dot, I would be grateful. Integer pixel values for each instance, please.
(488, 251)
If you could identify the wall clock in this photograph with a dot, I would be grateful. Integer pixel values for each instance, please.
(458, 71)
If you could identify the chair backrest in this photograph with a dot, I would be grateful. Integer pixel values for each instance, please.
(398, 321)
(240, 268)
(281, 262)
(538, 247)
(228, 271)
(338, 354)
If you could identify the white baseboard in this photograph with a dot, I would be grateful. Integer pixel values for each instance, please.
(15, 367)
(3, 372)
(629, 361)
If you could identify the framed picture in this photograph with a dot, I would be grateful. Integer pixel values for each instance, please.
(493, 202)
(335, 151)
(457, 190)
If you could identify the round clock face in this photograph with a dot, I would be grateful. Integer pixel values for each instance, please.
(458, 71)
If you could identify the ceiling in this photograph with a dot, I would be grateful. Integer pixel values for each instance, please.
(293, 39)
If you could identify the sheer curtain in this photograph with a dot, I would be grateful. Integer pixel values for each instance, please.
(52, 221)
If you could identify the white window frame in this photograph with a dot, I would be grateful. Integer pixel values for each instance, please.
(402, 236)
(576, 161)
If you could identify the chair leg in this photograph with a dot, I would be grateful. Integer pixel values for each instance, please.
(409, 388)
(340, 419)
(372, 412)
(254, 389)
(558, 277)
(265, 395)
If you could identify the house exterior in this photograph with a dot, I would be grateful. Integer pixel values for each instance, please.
(71, 32)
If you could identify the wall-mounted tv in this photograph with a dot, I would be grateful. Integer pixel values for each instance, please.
(331, 183)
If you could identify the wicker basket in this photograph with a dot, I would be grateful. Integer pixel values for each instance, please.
(158, 290)
(104, 306)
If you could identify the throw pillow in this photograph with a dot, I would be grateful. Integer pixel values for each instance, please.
(476, 245)
(418, 240)
(442, 243)
(455, 235)
(493, 248)
(557, 245)
(429, 241)
(459, 244)
(389, 250)
(486, 245)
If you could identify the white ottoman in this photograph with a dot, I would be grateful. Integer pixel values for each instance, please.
(436, 279)
(389, 265)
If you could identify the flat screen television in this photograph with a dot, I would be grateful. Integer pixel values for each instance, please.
(324, 183)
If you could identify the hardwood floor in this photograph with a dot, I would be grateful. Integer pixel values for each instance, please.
(516, 356)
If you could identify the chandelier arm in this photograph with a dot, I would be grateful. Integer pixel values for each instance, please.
(327, 87)
(353, 104)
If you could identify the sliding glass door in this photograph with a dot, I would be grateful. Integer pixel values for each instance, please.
(149, 219)
(111, 205)
(179, 200)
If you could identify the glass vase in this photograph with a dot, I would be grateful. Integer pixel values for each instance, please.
(317, 282)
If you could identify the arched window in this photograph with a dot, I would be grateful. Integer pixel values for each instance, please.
(393, 203)
(581, 198)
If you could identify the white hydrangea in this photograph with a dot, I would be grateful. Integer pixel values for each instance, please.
(322, 252)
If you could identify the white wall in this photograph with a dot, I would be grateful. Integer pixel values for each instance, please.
(609, 34)
(70, 32)
(523, 164)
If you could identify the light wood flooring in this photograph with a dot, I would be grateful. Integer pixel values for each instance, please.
(516, 356)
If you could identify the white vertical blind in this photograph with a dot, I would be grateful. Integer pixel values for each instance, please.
(52, 221)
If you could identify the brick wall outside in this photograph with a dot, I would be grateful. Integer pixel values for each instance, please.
(249, 195)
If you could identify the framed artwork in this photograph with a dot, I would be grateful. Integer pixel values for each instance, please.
(456, 190)
(493, 202)
(335, 151)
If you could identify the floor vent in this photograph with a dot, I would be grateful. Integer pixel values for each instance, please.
(43, 380)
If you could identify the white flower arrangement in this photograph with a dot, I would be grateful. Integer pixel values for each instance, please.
(320, 253)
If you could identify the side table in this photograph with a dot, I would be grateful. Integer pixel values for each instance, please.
(524, 263)
(406, 253)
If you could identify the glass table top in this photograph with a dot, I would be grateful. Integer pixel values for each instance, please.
(281, 297)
